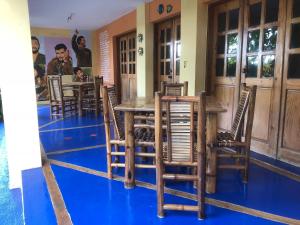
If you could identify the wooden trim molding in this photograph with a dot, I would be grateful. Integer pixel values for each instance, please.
(60, 210)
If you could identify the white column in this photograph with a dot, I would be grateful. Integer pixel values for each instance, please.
(194, 19)
(145, 61)
(18, 90)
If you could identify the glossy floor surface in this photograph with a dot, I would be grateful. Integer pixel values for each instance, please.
(75, 144)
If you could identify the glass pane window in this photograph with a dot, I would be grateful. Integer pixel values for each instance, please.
(268, 65)
(272, 7)
(270, 37)
(162, 52)
(294, 68)
(162, 68)
(253, 41)
(231, 66)
(169, 35)
(295, 36)
(252, 64)
(168, 51)
(221, 22)
(233, 19)
(296, 9)
(232, 43)
(220, 67)
(177, 67)
(221, 44)
(255, 14)
(162, 36)
(168, 68)
(178, 50)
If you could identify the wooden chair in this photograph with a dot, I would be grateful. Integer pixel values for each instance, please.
(185, 146)
(92, 101)
(174, 89)
(59, 104)
(144, 135)
(230, 146)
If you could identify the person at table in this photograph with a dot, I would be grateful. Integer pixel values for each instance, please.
(39, 62)
(62, 63)
(79, 75)
(83, 54)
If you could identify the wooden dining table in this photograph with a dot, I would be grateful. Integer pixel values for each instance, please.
(146, 105)
(80, 87)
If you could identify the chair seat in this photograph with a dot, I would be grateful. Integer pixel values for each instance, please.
(144, 135)
(225, 139)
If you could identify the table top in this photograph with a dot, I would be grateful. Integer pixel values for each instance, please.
(73, 83)
(142, 104)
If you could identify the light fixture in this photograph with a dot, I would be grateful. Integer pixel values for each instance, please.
(140, 37)
(141, 51)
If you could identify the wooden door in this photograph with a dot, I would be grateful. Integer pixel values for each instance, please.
(262, 66)
(169, 48)
(127, 57)
(226, 58)
(289, 138)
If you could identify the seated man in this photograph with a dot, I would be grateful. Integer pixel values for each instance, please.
(79, 75)
(62, 63)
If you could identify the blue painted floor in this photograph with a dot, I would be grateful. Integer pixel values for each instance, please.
(11, 210)
(95, 200)
(37, 203)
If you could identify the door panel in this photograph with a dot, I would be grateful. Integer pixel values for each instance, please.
(169, 48)
(262, 65)
(227, 36)
(289, 137)
(127, 56)
(225, 94)
(262, 113)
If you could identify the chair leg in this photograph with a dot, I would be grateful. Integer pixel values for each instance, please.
(160, 192)
(246, 170)
(108, 158)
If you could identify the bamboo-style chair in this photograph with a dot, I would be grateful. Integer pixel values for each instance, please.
(174, 89)
(185, 146)
(59, 104)
(231, 146)
(92, 101)
(144, 134)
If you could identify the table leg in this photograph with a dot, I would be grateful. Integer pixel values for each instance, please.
(211, 166)
(80, 101)
(129, 154)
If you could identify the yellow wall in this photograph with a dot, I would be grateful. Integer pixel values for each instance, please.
(193, 44)
(145, 62)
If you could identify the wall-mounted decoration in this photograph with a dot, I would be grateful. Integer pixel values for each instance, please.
(160, 8)
(169, 8)
(141, 51)
(140, 37)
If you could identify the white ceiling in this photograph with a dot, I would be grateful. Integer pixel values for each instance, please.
(86, 14)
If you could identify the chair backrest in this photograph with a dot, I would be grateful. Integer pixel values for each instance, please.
(185, 123)
(247, 99)
(98, 83)
(174, 89)
(55, 88)
(110, 100)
